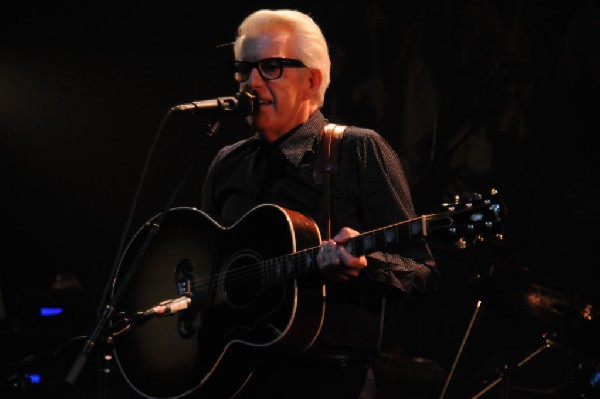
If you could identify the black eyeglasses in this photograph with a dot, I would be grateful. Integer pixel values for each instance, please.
(268, 68)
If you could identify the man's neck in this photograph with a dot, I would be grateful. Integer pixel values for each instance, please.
(273, 135)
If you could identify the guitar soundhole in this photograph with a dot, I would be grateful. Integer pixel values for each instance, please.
(188, 320)
(240, 281)
(184, 276)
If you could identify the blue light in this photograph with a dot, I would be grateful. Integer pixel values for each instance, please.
(34, 378)
(595, 379)
(50, 311)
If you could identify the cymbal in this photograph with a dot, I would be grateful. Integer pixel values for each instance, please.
(550, 305)
(518, 293)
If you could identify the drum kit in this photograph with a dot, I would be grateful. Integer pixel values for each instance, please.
(569, 325)
(542, 335)
(523, 339)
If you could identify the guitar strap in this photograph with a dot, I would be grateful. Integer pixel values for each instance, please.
(326, 166)
(325, 170)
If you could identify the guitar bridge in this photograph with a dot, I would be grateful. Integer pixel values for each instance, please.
(184, 286)
(184, 273)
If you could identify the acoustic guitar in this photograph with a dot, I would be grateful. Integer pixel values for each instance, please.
(254, 290)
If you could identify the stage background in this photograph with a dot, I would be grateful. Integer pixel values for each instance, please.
(472, 95)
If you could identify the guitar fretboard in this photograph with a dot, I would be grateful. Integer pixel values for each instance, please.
(468, 219)
(287, 267)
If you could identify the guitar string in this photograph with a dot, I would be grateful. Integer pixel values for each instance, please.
(243, 273)
(252, 270)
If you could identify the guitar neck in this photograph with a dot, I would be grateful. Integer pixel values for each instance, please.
(470, 220)
(304, 262)
(391, 236)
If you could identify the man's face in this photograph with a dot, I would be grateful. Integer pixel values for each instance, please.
(285, 101)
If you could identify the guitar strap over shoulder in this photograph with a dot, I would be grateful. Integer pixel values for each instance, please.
(326, 166)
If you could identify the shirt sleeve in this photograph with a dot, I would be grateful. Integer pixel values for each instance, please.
(379, 187)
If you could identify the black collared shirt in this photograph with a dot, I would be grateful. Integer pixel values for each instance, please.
(369, 191)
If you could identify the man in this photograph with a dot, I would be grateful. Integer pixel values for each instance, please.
(282, 58)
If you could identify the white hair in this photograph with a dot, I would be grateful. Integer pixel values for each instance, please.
(311, 46)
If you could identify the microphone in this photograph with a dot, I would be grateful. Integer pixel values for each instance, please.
(165, 308)
(169, 306)
(241, 104)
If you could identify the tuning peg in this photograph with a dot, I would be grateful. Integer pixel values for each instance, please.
(461, 243)
(493, 191)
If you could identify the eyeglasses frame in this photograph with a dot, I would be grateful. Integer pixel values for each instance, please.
(284, 62)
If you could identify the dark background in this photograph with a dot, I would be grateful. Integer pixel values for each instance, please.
(472, 95)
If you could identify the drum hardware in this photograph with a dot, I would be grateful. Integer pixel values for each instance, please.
(570, 317)
(505, 373)
(460, 349)
(478, 280)
(549, 340)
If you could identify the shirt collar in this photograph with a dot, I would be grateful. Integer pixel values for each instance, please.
(301, 139)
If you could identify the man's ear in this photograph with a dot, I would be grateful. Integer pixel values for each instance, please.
(315, 77)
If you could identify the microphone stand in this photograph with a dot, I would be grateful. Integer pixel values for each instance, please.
(474, 318)
(505, 373)
(479, 308)
(108, 310)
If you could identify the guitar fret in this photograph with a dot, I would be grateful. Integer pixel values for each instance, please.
(270, 272)
(301, 263)
(415, 229)
(267, 273)
(351, 247)
(391, 235)
(368, 242)
(308, 261)
(278, 270)
(360, 246)
(273, 271)
(296, 266)
(379, 239)
(290, 267)
(293, 265)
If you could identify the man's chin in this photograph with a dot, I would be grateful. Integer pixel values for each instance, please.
(257, 121)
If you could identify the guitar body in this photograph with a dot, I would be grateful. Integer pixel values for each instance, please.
(239, 313)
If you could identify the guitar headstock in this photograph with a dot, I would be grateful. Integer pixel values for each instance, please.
(475, 220)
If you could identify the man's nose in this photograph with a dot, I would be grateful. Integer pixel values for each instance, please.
(254, 76)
